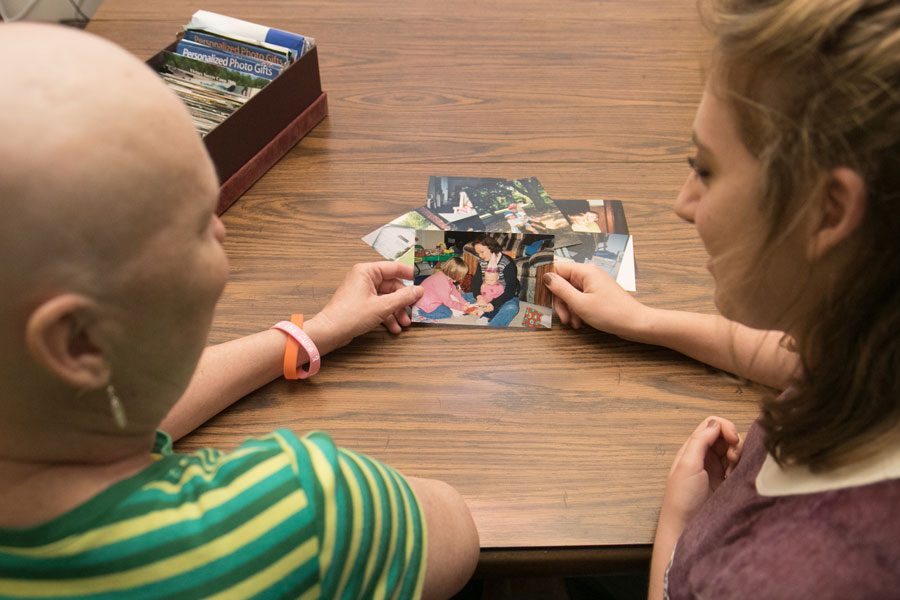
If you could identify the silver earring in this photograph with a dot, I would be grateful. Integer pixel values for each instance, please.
(115, 405)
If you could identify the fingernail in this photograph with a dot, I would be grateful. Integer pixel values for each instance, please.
(712, 423)
(548, 278)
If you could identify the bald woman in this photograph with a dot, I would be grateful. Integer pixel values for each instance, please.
(112, 266)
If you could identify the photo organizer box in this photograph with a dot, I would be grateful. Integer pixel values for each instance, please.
(252, 91)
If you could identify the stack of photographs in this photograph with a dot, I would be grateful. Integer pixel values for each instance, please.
(214, 70)
(464, 215)
(211, 93)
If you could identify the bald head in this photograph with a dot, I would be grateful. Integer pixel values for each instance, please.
(97, 156)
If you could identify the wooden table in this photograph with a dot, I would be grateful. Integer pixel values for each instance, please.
(560, 441)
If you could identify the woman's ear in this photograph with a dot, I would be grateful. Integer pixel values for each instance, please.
(61, 336)
(843, 210)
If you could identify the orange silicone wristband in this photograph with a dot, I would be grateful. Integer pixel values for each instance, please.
(292, 351)
(296, 333)
(296, 338)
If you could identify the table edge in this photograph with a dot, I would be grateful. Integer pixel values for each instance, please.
(568, 561)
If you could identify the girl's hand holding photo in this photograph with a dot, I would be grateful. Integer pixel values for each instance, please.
(583, 293)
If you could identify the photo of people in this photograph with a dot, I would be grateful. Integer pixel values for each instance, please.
(443, 297)
(451, 196)
(512, 206)
(483, 279)
(599, 236)
(595, 216)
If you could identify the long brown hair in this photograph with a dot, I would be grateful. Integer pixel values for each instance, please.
(490, 243)
(816, 86)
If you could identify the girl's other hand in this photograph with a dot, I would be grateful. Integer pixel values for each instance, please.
(584, 293)
(701, 465)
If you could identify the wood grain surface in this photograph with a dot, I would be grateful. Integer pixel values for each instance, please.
(559, 439)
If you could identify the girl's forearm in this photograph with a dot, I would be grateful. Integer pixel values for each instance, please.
(754, 354)
(668, 531)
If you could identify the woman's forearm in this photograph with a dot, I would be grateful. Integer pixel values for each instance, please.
(668, 530)
(227, 372)
(712, 339)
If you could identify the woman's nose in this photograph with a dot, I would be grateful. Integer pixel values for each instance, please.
(218, 229)
(686, 202)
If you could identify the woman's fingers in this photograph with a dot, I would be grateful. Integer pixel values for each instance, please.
(391, 324)
(384, 270)
(693, 452)
(575, 322)
(402, 317)
(562, 310)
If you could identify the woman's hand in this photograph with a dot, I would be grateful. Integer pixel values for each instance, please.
(371, 294)
(701, 465)
(586, 293)
(703, 462)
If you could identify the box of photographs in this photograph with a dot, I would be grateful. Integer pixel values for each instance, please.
(251, 114)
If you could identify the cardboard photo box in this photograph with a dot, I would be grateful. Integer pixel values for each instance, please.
(257, 135)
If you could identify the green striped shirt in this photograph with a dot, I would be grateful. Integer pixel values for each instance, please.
(280, 517)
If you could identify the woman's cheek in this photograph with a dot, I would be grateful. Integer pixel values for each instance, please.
(217, 272)
(705, 230)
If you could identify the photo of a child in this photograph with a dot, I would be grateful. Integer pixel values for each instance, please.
(492, 280)
(491, 287)
(465, 205)
(442, 295)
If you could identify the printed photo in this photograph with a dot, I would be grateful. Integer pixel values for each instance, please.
(470, 223)
(595, 216)
(449, 197)
(483, 279)
(518, 206)
(599, 236)
(397, 237)
(452, 222)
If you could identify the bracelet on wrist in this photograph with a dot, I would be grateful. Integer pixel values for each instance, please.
(297, 338)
